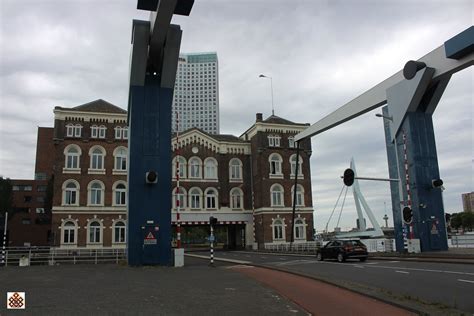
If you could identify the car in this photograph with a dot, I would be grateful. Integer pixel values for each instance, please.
(343, 249)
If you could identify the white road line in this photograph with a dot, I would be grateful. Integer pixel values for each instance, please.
(468, 281)
(402, 272)
(422, 270)
(393, 261)
(372, 263)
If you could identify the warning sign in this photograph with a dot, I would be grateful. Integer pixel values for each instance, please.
(434, 229)
(150, 239)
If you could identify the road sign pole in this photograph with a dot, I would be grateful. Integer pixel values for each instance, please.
(4, 240)
(212, 244)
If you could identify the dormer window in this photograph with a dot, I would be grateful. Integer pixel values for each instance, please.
(274, 140)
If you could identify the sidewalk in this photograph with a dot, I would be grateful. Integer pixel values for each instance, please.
(103, 289)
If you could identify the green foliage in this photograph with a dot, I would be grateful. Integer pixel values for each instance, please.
(6, 189)
(463, 220)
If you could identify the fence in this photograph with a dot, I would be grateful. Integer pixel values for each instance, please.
(462, 241)
(51, 256)
(307, 247)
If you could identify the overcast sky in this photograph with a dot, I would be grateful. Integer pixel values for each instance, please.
(321, 54)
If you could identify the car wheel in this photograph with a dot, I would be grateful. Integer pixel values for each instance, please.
(363, 259)
(319, 256)
(340, 257)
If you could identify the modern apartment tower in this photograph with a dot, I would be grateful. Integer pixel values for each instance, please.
(196, 93)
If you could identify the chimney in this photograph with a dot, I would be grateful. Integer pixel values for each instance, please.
(259, 117)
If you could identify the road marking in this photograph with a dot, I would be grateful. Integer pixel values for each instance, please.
(294, 262)
(372, 263)
(393, 261)
(423, 270)
(402, 272)
(247, 256)
(468, 281)
(239, 266)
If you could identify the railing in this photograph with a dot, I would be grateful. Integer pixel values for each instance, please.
(307, 247)
(462, 241)
(51, 256)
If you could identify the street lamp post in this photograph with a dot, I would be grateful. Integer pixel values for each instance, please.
(271, 86)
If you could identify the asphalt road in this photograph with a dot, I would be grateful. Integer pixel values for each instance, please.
(440, 284)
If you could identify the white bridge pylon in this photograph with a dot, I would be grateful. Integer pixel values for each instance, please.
(359, 199)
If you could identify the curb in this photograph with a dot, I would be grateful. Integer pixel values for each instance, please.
(410, 309)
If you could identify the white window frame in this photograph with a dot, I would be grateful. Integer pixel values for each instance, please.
(300, 227)
(102, 131)
(277, 194)
(211, 199)
(65, 190)
(121, 227)
(274, 140)
(210, 168)
(77, 130)
(94, 131)
(236, 197)
(91, 233)
(193, 196)
(118, 132)
(299, 195)
(182, 167)
(120, 193)
(195, 167)
(69, 229)
(70, 130)
(276, 166)
(278, 229)
(120, 158)
(76, 157)
(182, 198)
(235, 170)
(293, 165)
(90, 193)
(291, 142)
(95, 156)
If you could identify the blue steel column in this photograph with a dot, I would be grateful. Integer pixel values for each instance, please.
(394, 186)
(427, 202)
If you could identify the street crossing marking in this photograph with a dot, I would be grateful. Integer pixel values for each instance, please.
(468, 281)
(402, 272)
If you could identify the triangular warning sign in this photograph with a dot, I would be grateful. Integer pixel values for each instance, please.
(150, 236)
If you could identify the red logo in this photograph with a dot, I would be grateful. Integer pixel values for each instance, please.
(16, 300)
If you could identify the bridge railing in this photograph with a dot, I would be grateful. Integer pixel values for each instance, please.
(25, 256)
(462, 241)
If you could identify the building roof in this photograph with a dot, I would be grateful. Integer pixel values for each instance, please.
(99, 105)
(217, 137)
(273, 119)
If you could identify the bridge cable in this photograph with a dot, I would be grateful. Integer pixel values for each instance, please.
(334, 207)
(342, 206)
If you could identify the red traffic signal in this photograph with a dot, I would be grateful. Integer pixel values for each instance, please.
(151, 177)
(213, 221)
(348, 177)
(407, 215)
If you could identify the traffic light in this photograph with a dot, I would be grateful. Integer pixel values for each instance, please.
(348, 177)
(407, 215)
(436, 183)
(151, 177)
(213, 221)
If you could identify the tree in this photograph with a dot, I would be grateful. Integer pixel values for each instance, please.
(6, 190)
(456, 220)
(467, 220)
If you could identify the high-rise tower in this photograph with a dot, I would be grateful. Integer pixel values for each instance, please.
(196, 93)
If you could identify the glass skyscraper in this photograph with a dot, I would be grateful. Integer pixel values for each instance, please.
(196, 93)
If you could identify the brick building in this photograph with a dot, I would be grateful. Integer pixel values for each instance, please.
(240, 180)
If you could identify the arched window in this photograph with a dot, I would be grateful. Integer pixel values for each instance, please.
(300, 229)
(179, 197)
(72, 153)
(182, 167)
(278, 229)
(299, 195)
(119, 232)
(276, 191)
(236, 199)
(210, 168)
(95, 232)
(120, 194)
(120, 154)
(195, 198)
(211, 198)
(275, 164)
(293, 165)
(195, 168)
(235, 169)
(71, 192)
(97, 154)
(69, 233)
(96, 193)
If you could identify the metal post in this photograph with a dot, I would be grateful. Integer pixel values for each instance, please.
(178, 203)
(4, 261)
(407, 178)
(212, 245)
